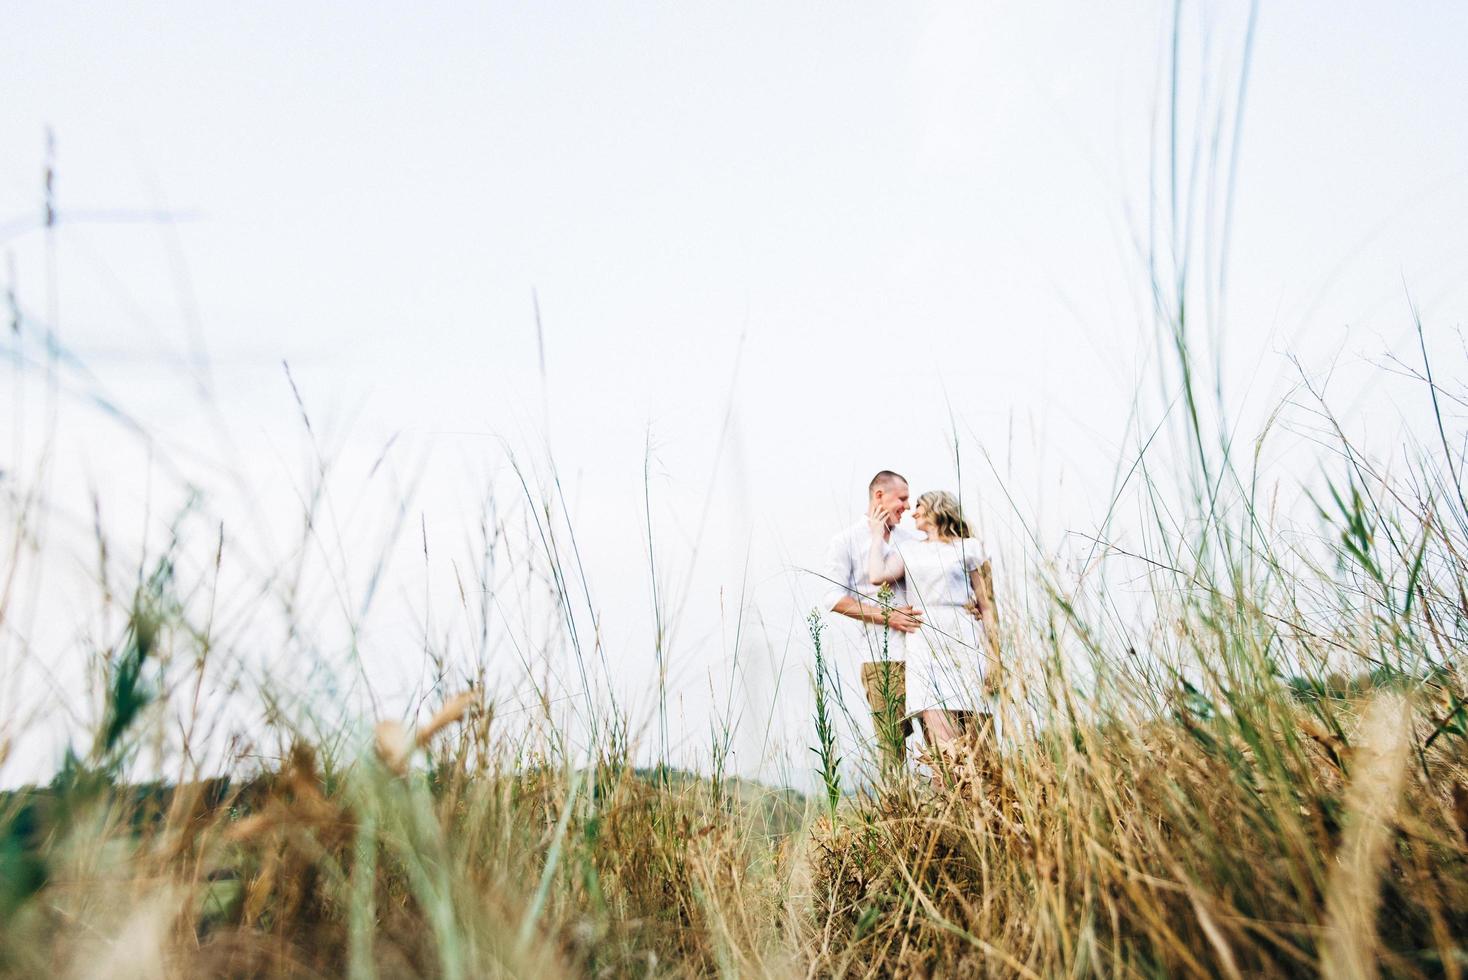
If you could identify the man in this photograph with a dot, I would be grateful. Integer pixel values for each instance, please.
(851, 593)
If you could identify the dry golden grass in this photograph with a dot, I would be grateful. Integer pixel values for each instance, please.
(1152, 852)
(1173, 847)
(1198, 791)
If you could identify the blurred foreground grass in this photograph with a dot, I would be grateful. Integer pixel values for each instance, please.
(1229, 748)
(1270, 781)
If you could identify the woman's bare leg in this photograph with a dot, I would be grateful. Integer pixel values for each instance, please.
(942, 730)
(939, 727)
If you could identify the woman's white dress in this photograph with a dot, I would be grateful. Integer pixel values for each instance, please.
(945, 660)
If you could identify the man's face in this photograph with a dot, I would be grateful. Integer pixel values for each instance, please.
(891, 497)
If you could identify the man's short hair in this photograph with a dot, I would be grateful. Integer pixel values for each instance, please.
(883, 480)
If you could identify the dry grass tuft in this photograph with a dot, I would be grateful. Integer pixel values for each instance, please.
(1378, 772)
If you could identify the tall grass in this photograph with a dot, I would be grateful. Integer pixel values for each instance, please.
(826, 749)
(1266, 775)
(1256, 767)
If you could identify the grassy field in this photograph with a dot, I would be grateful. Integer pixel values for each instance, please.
(1235, 743)
(1264, 775)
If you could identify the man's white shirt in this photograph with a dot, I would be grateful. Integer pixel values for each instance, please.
(848, 564)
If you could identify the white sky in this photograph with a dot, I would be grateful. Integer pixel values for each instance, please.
(885, 215)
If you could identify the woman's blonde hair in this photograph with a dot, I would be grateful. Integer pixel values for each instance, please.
(942, 507)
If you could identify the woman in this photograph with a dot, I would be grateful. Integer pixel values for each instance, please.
(943, 580)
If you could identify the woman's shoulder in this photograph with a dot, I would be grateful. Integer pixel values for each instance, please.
(973, 552)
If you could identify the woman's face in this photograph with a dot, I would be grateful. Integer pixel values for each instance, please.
(922, 519)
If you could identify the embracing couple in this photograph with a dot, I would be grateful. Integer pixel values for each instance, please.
(923, 597)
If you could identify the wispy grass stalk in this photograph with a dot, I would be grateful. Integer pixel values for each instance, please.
(826, 741)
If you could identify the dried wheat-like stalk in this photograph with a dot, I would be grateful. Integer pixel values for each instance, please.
(395, 746)
(1375, 790)
(452, 711)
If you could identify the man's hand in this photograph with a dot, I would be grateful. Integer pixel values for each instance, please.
(975, 610)
(905, 619)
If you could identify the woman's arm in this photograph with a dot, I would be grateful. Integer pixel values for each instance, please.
(976, 592)
(882, 569)
(985, 610)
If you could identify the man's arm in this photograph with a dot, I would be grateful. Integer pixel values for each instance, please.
(903, 619)
(838, 575)
(840, 598)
